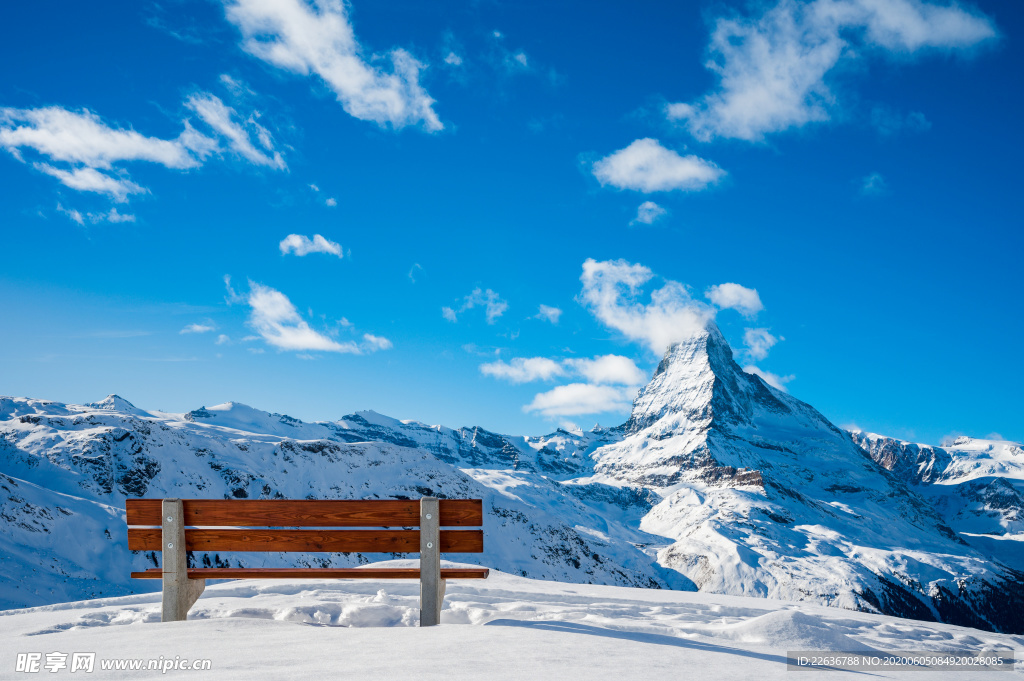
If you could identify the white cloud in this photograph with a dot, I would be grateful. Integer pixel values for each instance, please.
(492, 303)
(374, 343)
(873, 185)
(414, 270)
(647, 213)
(768, 377)
(84, 153)
(95, 218)
(740, 298)
(302, 245)
(611, 288)
(303, 38)
(549, 313)
(223, 339)
(73, 214)
(524, 369)
(113, 216)
(606, 369)
(82, 138)
(453, 59)
(647, 166)
(231, 296)
(276, 320)
(772, 68)
(331, 202)
(889, 122)
(221, 118)
(582, 398)
(198, 328)
(314, 187)
(609, 369)
(92, 180)
(758, 342)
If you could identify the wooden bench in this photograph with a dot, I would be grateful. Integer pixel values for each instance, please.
(160, 525)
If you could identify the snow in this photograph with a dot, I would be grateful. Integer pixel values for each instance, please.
(718, 482)
(505, 627)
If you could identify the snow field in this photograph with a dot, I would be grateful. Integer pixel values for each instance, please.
(505, 627)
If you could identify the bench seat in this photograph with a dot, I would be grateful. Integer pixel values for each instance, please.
(316, 573)
(175, 527)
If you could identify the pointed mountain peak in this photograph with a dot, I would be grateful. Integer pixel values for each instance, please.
(698, 379)
(115, 403)
(706, 348)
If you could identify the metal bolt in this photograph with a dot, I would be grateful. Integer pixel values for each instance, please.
(430, 544)
(428, 516)
(170, 519)
(170, 546)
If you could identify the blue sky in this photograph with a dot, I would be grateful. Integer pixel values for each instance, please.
(496, 214)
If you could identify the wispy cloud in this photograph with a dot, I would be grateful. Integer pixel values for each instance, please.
(319, 39)
(733, 296)
(612, 382)
(112, 216)
(647, 213)
(275, 319)
(646, 166)
(758, 342)
(889, 122)
(549, 313)
(768, 377)
(198, 328)
(373, 343)
(224, 121)
(608, 369)
(611, 290)
(873, 185)
(92, 180)
(524, 369)
(582, 398)
(492, 303)
(415, 270)
(300, 245)
(772, 67)
(86, 154)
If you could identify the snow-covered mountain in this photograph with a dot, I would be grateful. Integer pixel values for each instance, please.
(716, 482)
(976, 485)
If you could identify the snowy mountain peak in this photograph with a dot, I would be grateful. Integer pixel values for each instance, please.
(698, 381)
(112, 402)
(116, 403)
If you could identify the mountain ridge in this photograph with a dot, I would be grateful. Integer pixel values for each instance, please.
(717, 482)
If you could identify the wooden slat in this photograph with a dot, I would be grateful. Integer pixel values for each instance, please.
(334, 541)
(308, 513)
(317, 573)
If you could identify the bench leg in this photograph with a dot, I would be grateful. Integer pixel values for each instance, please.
(431, 584)
(179, 592)
(442, 584)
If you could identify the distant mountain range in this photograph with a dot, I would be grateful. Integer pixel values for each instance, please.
(717, 482)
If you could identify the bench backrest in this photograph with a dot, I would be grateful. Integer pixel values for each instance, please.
(225, 519)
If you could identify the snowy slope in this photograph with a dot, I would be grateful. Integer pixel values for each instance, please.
(976, 485)
(717, 482)
(505, 627)
(762, 495)
(67, 470)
